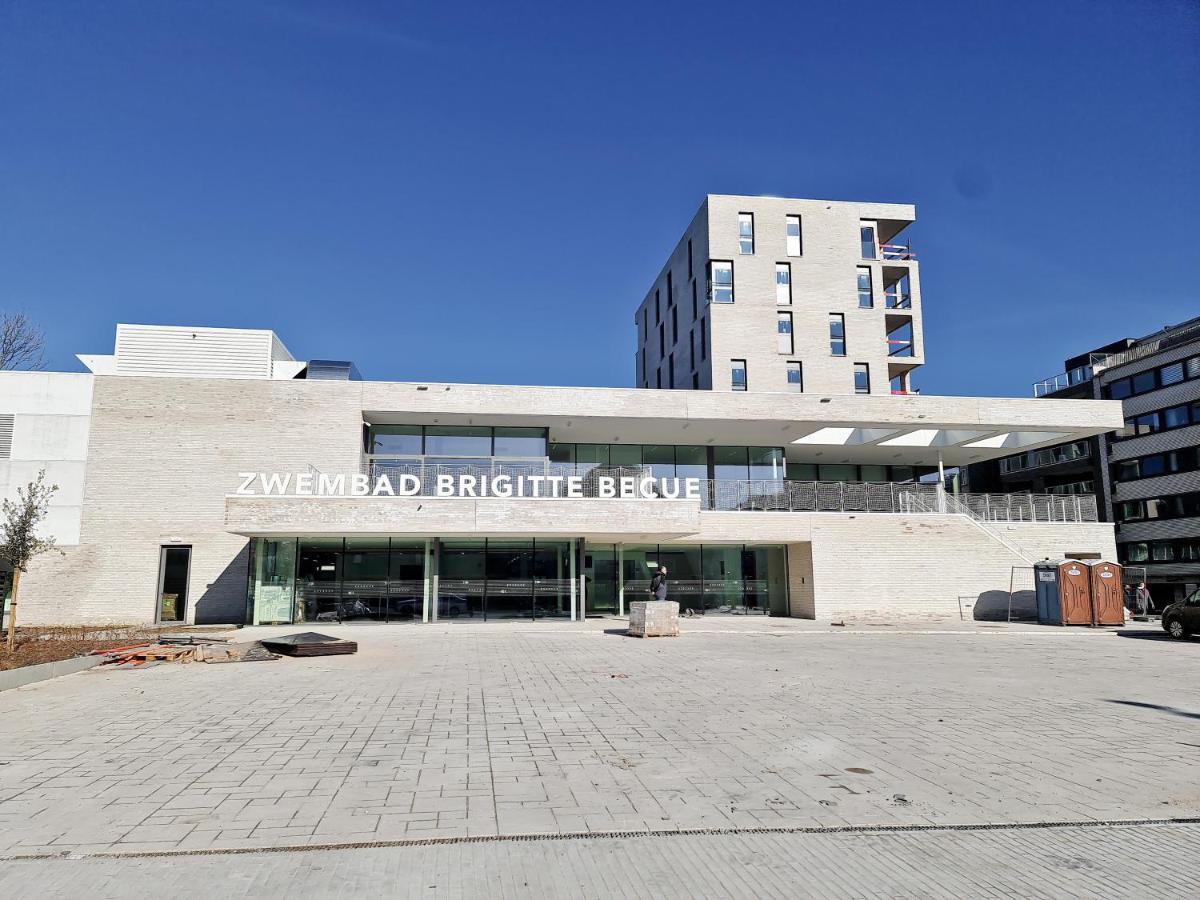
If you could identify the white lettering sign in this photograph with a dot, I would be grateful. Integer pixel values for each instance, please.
(574, 487)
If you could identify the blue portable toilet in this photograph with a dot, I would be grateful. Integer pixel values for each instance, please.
(1045, 585)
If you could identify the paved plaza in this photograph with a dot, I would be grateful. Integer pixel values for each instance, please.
(803, 743)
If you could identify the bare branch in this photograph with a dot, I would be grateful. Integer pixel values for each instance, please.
(21, 343)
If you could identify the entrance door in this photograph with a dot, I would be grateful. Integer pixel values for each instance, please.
(174, 566)
(600, 576)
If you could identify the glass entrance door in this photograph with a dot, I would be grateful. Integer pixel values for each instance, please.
(174, 566)
(600, 579)
(505, 579)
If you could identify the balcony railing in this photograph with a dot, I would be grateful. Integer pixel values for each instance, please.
(896, 252)
(897, 301)
(759, 495)
(898, 347)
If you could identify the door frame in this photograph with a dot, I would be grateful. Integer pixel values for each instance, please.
(158, 590)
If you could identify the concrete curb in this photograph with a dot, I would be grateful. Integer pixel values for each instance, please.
(15, 678)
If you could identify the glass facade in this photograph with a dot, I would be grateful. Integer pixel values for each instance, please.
(302, 580)
(336, 580)
(709, 578)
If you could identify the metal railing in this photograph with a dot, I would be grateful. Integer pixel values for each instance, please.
(760, 495)
(894, 252)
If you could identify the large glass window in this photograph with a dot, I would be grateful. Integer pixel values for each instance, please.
(795, 376)
(1145, 381)
(723, 583)
(406, 581)
(766, 463)
(683, 574)
(273, 581)
(1172, 374)
(837, 334)
(862, 378)
(784, 329)
(318, 580)
(720, 282)
(866, 233)
(462, 578)
(525, 442)
(793, 235)
(365, 579)
(660, 458)
(395, 440)
(731, 463)
(745, 233)
(764, 570)
(866, 298)
(591, 456)
(783, 283)
(625, 455)
(737, 374)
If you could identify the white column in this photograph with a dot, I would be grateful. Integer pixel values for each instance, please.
(941, 485)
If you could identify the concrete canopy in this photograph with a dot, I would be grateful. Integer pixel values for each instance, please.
(853, 428)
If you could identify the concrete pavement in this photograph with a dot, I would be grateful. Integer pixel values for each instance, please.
(472, 730)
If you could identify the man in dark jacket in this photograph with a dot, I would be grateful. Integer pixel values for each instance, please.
(658, 584)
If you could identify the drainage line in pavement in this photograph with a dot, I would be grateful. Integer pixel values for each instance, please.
(584, 835)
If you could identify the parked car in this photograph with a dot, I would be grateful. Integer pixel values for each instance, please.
(1182, 618)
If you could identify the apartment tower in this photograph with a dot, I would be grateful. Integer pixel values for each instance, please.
(774, 294)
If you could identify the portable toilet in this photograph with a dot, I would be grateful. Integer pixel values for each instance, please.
(1045, 590)
(1063, 592)
(1108, 594)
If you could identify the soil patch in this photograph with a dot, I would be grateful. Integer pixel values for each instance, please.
(43, 645)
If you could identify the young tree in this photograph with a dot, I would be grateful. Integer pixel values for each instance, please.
(21, 342)
(19, 542)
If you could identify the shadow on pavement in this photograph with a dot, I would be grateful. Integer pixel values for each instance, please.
(1170, 710)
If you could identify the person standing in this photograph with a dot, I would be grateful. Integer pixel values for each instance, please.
(658, 584)
(1143, 599)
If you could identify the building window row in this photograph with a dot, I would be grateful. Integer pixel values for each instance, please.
(1087, 486)
(791, 229)
(1047, 456)
(1171, 462)
(455, 441)
(853, 473)
(673, 461)
(1154, 379)
(1183, 550)
(1168, 419)
(1175, 506)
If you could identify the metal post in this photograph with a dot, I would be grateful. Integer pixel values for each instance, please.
(620, 579)
(941, 485)
(431, 580)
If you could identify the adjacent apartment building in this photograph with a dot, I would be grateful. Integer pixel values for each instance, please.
(209, 476)
(772, 294)
(1146, 474)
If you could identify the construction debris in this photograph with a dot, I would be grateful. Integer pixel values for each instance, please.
(310, 643)
(142, 654)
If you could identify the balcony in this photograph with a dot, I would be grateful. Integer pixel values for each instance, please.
(897, 252)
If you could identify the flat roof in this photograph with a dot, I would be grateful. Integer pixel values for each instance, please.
(910, 430)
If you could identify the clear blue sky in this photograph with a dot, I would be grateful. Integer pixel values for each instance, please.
(483, 191)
